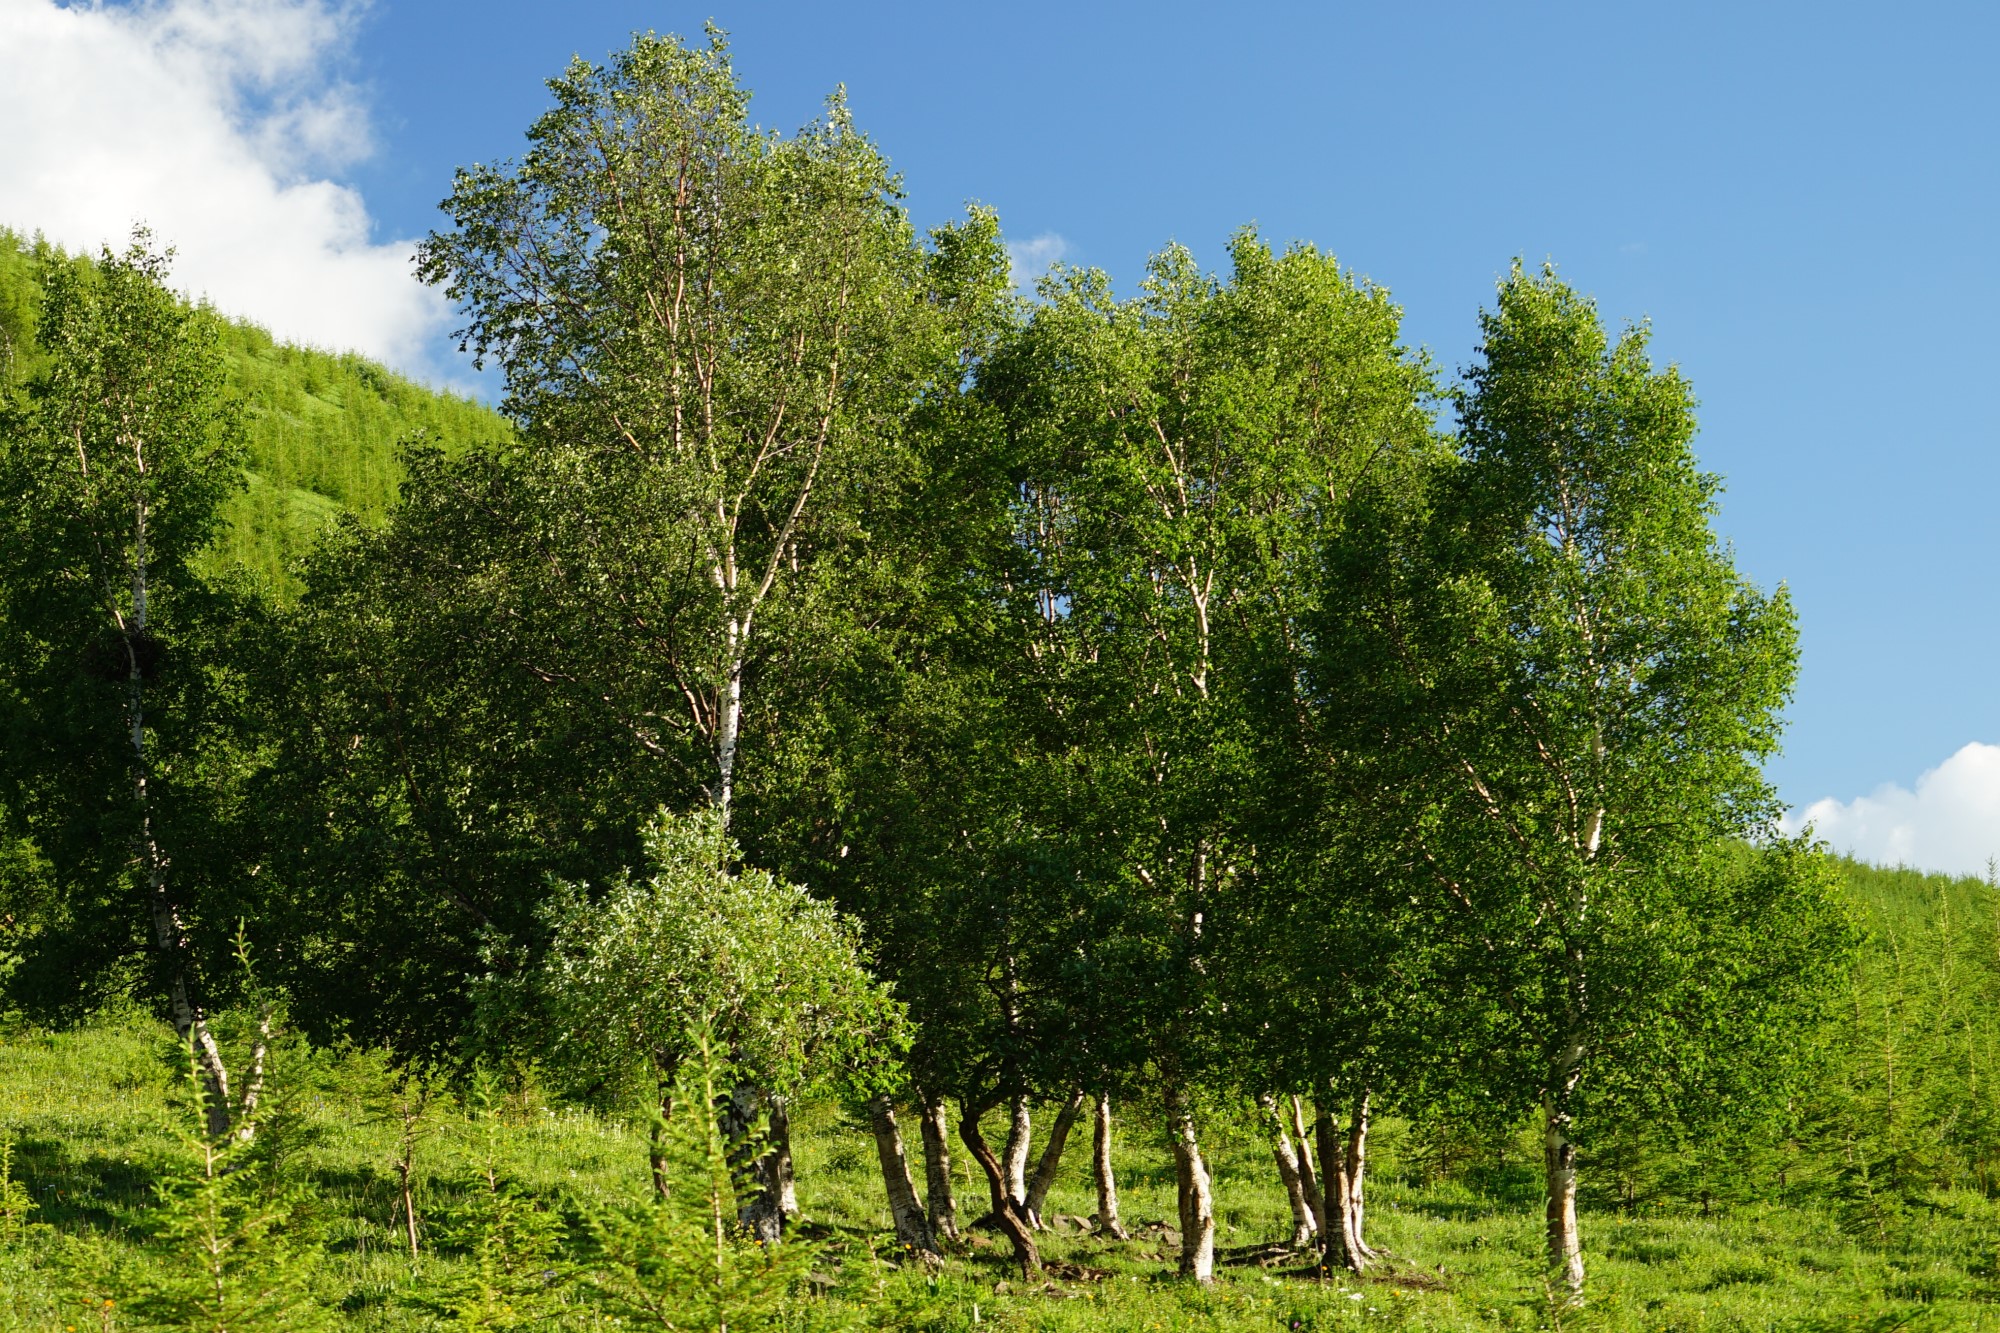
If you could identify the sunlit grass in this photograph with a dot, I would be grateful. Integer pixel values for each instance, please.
(92, 1118)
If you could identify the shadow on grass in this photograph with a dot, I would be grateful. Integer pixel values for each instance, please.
(83, 1191)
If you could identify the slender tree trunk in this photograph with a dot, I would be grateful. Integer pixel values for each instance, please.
(1007, 1213)
(1357, 1173)
(406, 1165)
(169, 934)
(409, 1206)
(1565, 1245)
(1308, 1171)
(1100, 1168)
(253, 1086)
(1051, 1161)
(729, 726)
(1336, 1235)
(753, 1166)
(1014, 1156)
(1197, 1197)
(913, 1228)
(1304, 1224)
(781, 1158)
(939, 1203)
(656, 1142)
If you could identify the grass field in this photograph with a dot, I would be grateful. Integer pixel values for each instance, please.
(91, 1117)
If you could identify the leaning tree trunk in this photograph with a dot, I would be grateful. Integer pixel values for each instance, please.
(942, 1208)
(1008, 1214)
(1100, 1169)
(1357, 1173)
(1303, 1222)
(1014, 1157)
(169, 932)
(913, 1228)
(1309, 1177)
(1197, 1196)
(1051, 1162)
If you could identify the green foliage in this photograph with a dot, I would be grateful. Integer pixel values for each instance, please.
(683, 1262)
(514, 1274)
(703, 944)
(228, 1228)
(121, 700)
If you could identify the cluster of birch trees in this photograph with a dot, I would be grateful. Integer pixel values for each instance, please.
(1170, 701)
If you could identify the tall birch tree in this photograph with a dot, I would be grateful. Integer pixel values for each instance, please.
(1566, 692)
(1176, 454)
(120, 761)
(700, 326)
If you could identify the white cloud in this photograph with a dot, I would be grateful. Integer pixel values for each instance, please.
(215, 123)
(1951, 822)
(1028, 260)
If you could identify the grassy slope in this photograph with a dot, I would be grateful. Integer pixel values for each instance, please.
(323, 428)
(87, 1111)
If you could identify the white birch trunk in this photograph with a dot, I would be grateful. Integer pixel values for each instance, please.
(913, 1229)
(1357, 1174)
(1336, 1229)
(941, 1206)
(1197, 1195)
(169, 934)
(1014, 1156)
(1308, 1171)
(729, 728)
(1100, 1168)
(1559, 1157)
(1304, 1224)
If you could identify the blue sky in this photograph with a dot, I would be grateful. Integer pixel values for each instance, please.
(1801, 198)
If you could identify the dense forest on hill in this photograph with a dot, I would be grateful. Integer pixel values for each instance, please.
(322, 428)
(859, 798)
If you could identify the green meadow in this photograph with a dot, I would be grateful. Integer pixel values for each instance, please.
(96, 1117)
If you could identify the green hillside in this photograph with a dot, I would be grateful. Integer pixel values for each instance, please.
(323, 427)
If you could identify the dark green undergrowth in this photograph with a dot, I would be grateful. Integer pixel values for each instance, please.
(91, 1116)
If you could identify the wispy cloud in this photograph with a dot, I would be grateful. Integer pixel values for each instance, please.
(1951, 822)
(219, 124)
(1028, 260)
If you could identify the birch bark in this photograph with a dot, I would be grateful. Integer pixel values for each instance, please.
(1304, 1223)
(913, 1229)
(1007, 1213)
(939, 1203)
(1309, 1176)
(1196, 1188)
(1101, 1170)
(1015, 1154)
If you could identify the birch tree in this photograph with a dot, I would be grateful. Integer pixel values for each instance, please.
(635, 974)
(700, 326)
(114, 473)
(1567, 691)
(1175, 451)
